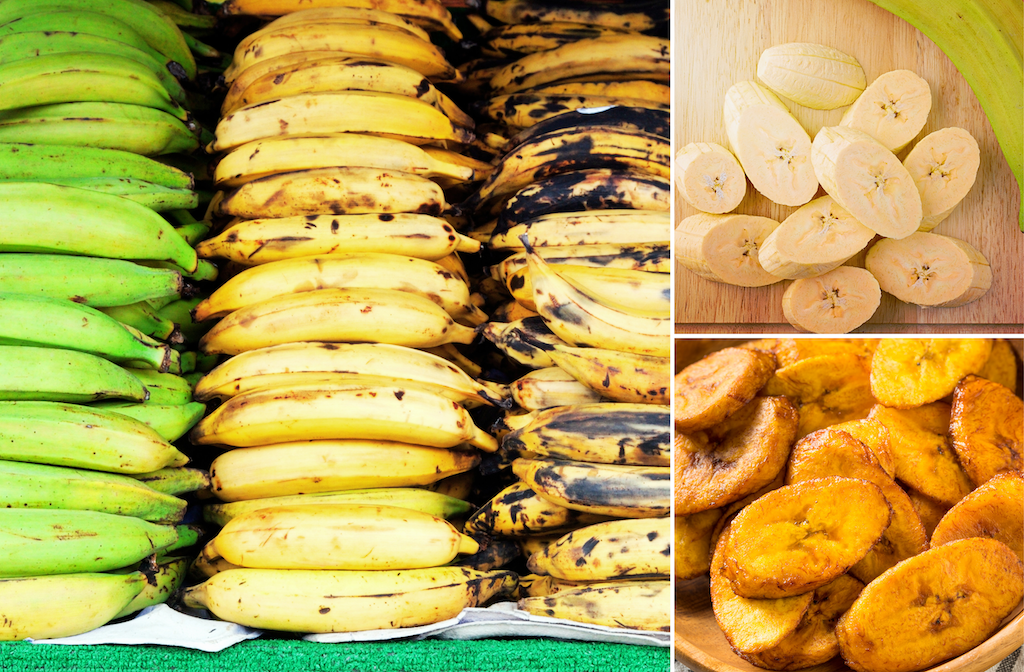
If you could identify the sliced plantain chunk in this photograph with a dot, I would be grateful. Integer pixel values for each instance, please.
(724, 248)
(932, 607)
(909, 372)
(741, 455)
(928, 269)
(987, 428)
(993, 510)
(798, 538)
(836, 302)
(712, 389)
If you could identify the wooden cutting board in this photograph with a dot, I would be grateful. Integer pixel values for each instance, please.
(717, 43)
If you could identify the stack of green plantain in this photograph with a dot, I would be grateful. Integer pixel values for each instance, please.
(96, 265)
(338, 405)
(574, 219)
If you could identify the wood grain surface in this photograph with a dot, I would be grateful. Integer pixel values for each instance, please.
(717, 43)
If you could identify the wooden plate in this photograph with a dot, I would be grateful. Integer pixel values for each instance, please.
(718, 43)
(701, 645)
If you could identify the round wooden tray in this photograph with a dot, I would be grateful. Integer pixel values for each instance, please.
(700, 644)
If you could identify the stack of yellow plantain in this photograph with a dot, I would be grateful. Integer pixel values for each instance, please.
(336, 404)
(95, 258)
(575, 221)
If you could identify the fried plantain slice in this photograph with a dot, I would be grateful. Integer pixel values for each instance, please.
(814, 641)
(798, 538)
(929, 510)
(995, 510)
(911, 372)
(791, 350)
(710, 390)
(752, 625)
(686, 351)
(924, 458)
(1002, 365)
(739, 456)
(932, 607)
(987, 428)
(832, 452)
(875, 436)
(693, 543)
(827, 389)
(731, 510)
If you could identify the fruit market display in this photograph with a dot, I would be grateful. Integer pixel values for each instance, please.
(352, 283)
(97, 269)
(852, 498)
(884, 194)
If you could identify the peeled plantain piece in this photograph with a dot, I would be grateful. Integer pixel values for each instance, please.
(932, 607)
(739, 456)
(712, 389)
(987, 428)
(929, 510)
(833, 452)
(752, 625)
(993, 510)
(801, 536)
(693, 543)
(1001, 366)
(827, 389)
(875, 436)
(924, 458)
(911, 372)
(814, 641)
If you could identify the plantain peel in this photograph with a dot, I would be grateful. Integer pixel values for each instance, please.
(911, 372)
(710, 390)
(932, 607)
(814, 641)
(750, 625)
(798, 538)
(986, 428)
(739, 456)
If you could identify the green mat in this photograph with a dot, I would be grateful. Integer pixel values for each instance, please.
(283, 655)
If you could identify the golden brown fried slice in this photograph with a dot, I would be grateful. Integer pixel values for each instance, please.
(762, 344)
(814, 642)
(731, 510)
(801, 536)
(709, 391)
(925, 460)
(737, 457)
(995, 509)
(686, 351)
(875, 436)
(911, 372)
(929, 510)
(693, 543)
(1002, 365)
(987, 428)
(932, 607)
(791, 350)
(827, 389)
(752, 625)
(832, 452)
